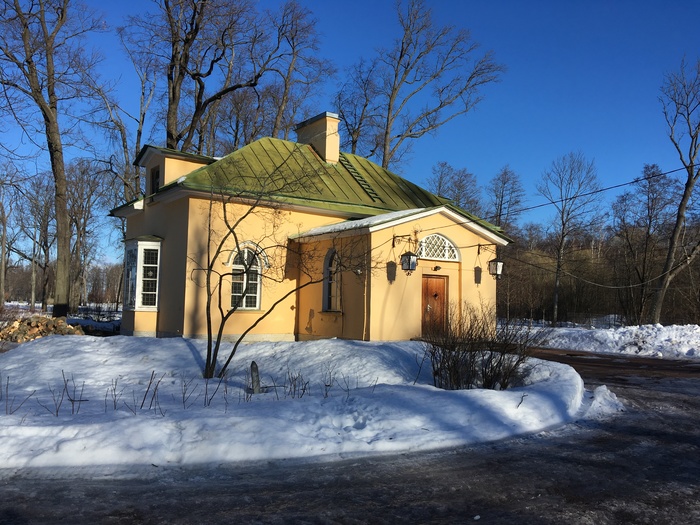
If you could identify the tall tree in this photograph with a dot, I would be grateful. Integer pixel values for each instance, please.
(458, 185)
(505, 198)
(43, 70)
(429, 76)
(281, 97)
(86, 206)
(357, 103)
(642, 219)
(680, 100)
(570, 185)
(210, 49)
(37, 223)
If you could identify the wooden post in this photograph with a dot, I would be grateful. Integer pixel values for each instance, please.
(255, 377)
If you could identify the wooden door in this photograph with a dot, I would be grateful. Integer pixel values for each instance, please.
(434, 303)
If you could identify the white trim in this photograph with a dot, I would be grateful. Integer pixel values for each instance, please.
(245, 272)
(373, 224)
(448, 244)
(249, 245)
(140, 247)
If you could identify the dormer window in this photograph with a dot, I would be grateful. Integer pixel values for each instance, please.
(155, 179)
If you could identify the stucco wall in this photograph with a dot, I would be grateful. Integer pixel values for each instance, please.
(270, 230)
(378, 302)
(168, 221)
(313, 322)
(396, 308)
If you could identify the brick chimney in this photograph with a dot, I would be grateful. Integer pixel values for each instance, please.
(321, 132)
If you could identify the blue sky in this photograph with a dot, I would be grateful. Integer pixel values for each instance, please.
(582, 76)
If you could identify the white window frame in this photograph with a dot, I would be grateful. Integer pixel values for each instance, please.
(136, 275)
(450, 252)
(331, 283)
(245, 271)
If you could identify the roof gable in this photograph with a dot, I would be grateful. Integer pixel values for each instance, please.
(388, 220)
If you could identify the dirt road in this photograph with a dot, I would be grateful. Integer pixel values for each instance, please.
(642, 466)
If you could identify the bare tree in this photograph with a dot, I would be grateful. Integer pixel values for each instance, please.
(506, 197)
(358, 105)
(642, 219)
(570, 185)
(124, 127)
(44, 67)
(88, 212)
(37, 224)
(300, 69)
(281, 96)
(458, 185)
(208, 49)
(680, 100)
(237, 246)
(428, 77)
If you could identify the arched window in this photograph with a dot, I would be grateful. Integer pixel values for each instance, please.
(245, 280)
(331, 282)
(437, 247)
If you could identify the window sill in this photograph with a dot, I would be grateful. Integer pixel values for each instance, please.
(332, 312)
(141, 309)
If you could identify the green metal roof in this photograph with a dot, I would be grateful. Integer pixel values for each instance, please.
(288, 171)
(292, 173)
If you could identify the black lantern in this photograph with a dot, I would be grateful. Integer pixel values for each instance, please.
(496, 268)
(409, 261)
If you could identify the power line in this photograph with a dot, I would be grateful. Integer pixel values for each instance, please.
(599, 190)
(592, 283)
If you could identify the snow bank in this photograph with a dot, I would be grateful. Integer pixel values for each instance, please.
(325, 398)
(672, 342)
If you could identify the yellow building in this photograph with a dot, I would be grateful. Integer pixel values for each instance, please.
(286, 240)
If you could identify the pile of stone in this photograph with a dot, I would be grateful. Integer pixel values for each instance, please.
(34, 327)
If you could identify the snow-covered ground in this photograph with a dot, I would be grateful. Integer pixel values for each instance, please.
(139, 401)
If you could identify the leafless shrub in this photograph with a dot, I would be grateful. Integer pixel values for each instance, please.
(113, 394)
(74, 397)
(472, 350)
(10, 407)
(504, 360)
(187, 391)
(57, 397)
(296, 386)
(154, 403)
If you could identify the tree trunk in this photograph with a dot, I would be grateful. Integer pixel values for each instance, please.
(62, 296)
(667, 273)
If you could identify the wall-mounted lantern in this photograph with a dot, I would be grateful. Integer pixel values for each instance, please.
(496, 268)
(409, 261)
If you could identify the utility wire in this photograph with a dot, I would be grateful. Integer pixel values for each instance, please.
(600, 190)
(552, 203)
(599, 285)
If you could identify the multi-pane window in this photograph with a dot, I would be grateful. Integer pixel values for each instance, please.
(141, 273)
(245, 280)
(437, 247)
(331, 297)
(130, 271)
(149, 280)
